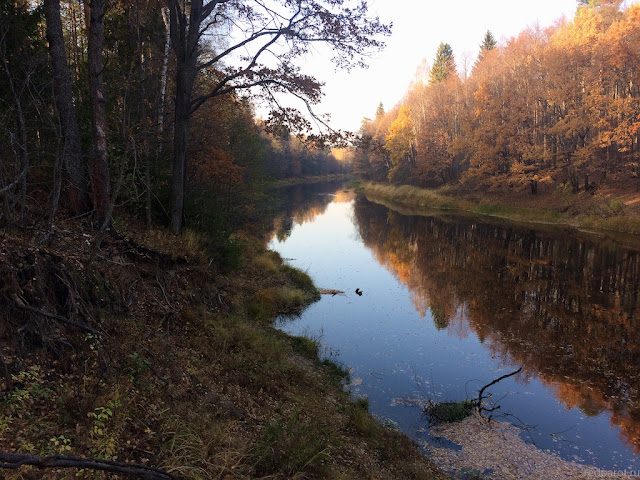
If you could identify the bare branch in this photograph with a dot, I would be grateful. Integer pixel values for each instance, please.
(14, 183)
(60, 318)
(14, 461)
(480, 409)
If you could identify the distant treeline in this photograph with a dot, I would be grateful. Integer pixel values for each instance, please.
(555, 106)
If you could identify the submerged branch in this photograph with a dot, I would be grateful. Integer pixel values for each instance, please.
(480, 397)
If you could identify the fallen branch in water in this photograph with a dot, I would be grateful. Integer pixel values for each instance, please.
(329, 291)
(14, 461)
(480, 397)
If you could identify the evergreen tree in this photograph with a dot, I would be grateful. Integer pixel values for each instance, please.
(488, 44)
(443, 65)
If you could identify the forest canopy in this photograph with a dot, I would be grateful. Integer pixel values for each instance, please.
(549, 107)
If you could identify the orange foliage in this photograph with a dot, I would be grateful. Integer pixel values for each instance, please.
(561, 104)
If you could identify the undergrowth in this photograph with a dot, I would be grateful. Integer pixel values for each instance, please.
(178, 367)
(448, 412)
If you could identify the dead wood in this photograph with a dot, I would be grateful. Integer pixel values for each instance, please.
(60, 318)
(329, 291)
(480, 396)
(14, 461)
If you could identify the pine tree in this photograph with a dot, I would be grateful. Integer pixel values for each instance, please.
(488, 44)
(443, 65)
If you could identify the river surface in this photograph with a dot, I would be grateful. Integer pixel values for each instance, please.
(451, 303)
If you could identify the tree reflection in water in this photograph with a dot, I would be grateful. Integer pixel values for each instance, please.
(564, 307)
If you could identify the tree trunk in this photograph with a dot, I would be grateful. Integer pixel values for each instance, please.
(22, 140)
(184, 86)
(163, 76)
(100, 182)
(184, 40)
(77, 192)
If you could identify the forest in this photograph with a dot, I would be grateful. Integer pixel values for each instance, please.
(551, 107)
(149, 108)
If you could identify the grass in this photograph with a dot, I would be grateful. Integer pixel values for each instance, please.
(448, 412)
(190, 375)
(555, 207)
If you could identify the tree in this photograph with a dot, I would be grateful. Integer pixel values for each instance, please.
(283, 30)
(63, 92)
(24, 103)
(400, 145)
(488, 44)
(100, 178)
(443, 65)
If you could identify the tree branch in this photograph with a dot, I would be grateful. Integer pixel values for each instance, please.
(14, 461)
(493, 383)
(14, 183)
(60, 318)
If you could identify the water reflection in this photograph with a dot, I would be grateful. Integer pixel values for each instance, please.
(563, 307)
(299, 204)
(450, 304)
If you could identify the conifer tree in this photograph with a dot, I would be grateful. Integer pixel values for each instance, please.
(443, 65)
(488, 44)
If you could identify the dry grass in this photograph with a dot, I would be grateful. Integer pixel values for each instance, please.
(613, 208)
(183, 377)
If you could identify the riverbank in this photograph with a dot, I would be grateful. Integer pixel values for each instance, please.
(336, 177)
(614, 208)
(136, 349)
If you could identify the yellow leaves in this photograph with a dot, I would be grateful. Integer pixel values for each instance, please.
(400, 134)
(399, 142)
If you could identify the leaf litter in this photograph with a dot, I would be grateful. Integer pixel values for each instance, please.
(494, 450)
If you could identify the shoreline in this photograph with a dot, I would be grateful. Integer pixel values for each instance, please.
(406, 200)
(187, 371)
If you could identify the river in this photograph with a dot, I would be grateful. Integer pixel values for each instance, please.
(451, 303)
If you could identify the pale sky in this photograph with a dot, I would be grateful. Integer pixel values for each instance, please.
(418, 29)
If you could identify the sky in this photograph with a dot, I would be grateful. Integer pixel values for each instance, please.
(418, 29)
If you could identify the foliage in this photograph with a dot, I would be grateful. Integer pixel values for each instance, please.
(443, 65)
(548, 108)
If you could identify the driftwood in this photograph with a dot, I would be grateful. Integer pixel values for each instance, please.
(480, 396)
(16, 460)
(330, 291)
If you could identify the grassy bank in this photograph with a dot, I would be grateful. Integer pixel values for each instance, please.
(137, 349)
(610, 209)
(313, 179)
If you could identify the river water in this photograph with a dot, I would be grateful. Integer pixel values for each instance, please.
(450, 303)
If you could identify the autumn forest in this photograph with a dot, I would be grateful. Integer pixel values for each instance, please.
(148, 107)
(142, 116)
(550, 107)
(145, 147)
